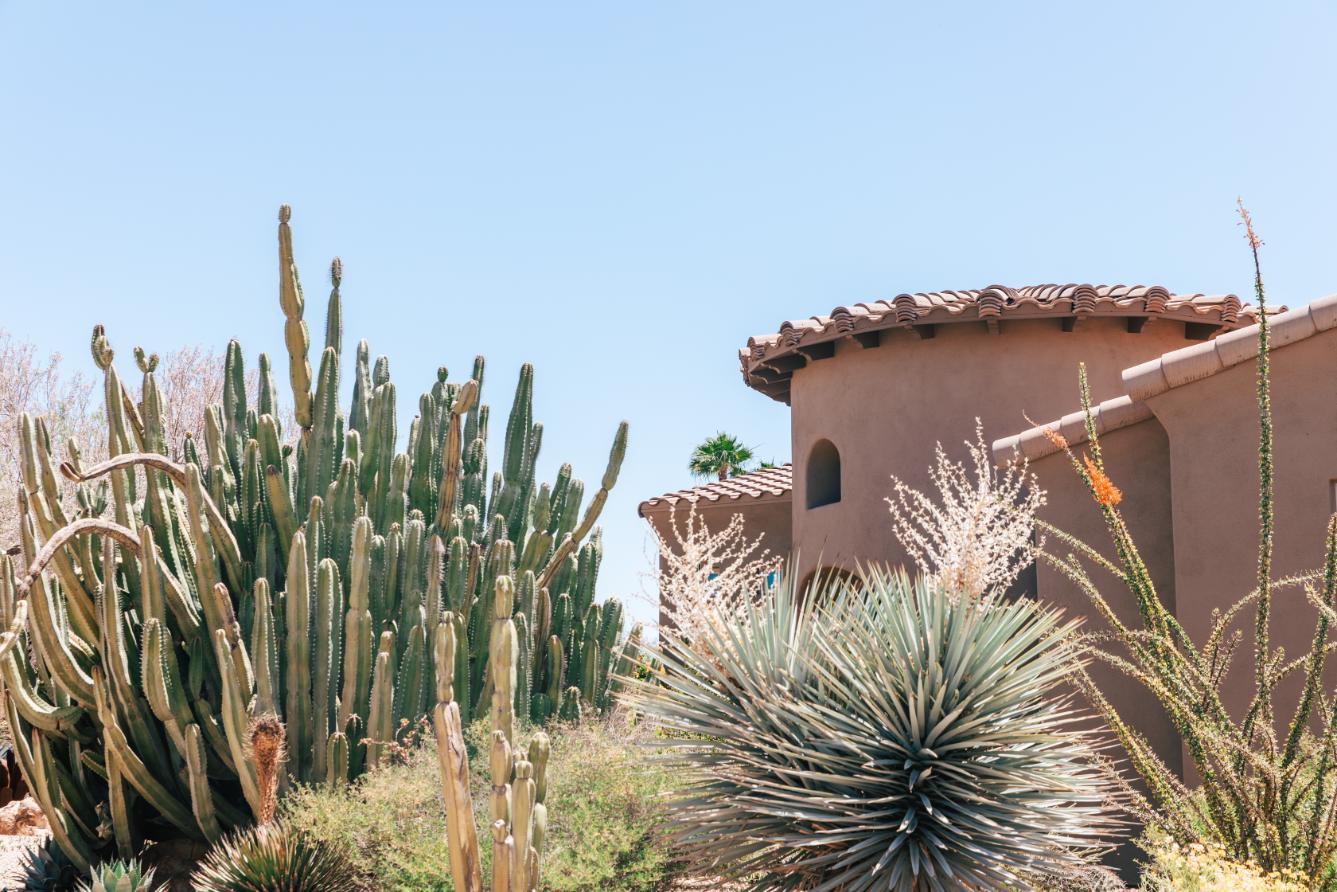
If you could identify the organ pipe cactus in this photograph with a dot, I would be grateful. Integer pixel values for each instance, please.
(519, 776)
(301, 574)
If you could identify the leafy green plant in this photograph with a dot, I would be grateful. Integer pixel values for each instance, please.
(120, 876)
(606, 801)
(883, 735)
(1267, 791)
(274, 858)
(300, 574)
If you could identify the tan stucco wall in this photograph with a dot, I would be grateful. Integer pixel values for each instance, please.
(1137, 458)
(885, 407)
(1213, 430)
(768, 518)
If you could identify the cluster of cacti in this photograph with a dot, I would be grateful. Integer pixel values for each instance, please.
(519, 776)
(304, 579)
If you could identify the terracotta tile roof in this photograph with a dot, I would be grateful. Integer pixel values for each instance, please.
(768, 361)
(1180, 367)
(1034, 443)
(754, 486)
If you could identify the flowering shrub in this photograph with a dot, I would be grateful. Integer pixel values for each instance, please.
(1200, 868)
(977, 533)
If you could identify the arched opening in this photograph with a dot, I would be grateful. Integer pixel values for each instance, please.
(823, 474)
(825, 580)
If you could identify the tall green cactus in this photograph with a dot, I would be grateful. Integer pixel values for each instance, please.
(307, 574)
(519, 777)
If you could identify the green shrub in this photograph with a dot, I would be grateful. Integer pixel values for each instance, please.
(604, 802)
(889, 736)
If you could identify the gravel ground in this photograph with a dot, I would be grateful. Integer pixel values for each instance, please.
(12, 850)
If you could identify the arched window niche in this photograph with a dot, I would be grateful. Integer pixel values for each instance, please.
(823, 474)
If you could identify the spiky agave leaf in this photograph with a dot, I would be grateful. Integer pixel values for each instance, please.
(120, 876)
(273, 858)
(880, 736)
(47, 869)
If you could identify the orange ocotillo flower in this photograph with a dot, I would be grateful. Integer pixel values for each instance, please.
(1053, 436)
(1105, 491)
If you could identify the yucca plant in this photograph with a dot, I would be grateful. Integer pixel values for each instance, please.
(883, 735)
(273, 858)
(1267, 791)
(120, 876)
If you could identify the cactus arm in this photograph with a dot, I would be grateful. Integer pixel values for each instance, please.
(235, 721)
(264, 650)
(135, 771)
(201, 797)
(450, 453)
(462, 839)
(503, 856)
(322, 682)
(615, 457)
(295, 334)
(120, 813)
(336, 759)
(298, 712)
(522, 806)
(35, 761)
(280, 501)
(57, 720)
(380, 731)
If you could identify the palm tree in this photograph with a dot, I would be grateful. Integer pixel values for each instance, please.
(721, 456)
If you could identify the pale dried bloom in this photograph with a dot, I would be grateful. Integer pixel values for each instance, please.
(708, 577)
(976, 533)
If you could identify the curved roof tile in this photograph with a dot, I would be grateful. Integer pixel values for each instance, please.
(756, 485)
(769, 360)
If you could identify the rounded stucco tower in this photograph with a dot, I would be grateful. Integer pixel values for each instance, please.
(874, 387)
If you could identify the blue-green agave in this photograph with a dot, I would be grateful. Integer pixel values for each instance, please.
(120, 876)
(880, 734)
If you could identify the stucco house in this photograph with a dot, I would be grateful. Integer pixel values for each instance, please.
(1182, 445)
(873, 387)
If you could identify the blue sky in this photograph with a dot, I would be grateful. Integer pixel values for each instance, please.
(622, 193)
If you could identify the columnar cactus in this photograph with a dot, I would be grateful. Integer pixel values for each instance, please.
(308, 575)
(519, 777)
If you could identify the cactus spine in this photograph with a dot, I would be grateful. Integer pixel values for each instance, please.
(302, 574)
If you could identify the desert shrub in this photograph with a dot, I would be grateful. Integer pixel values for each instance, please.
(1268, 778)
(889, 735)
(1200, 868)
(604, 803)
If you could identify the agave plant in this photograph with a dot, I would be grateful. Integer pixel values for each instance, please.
(120, 876)
(273, 858)
(883, 735)
(48, 869)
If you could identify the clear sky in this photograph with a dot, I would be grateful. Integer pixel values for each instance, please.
(622, 193)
